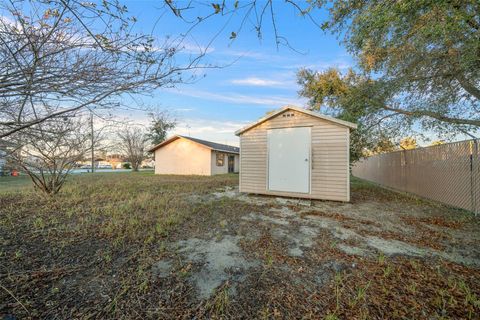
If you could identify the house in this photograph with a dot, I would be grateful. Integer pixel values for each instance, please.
(296, 153)
(187, 155)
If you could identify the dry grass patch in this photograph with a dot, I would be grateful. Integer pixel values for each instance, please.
(402, 288)
(435, 221)
(426, 238)
(88, 252)
(270, 251)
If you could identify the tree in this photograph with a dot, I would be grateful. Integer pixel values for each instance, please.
(437, 143)
(418, 61)
(133, 144)
(382, 146)
(408, 143)
(50, 151)
(160, 124)
(343, 96)
(58, 57)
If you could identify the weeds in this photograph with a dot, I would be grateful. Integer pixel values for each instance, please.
(89, 254)
(105, 227)
(220, 302)
(338, 286)
(331, 316)
(381, 258)
(361, 293)
(387, 270)
(429, 292)
(412, 288)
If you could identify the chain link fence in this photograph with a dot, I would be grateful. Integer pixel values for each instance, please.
(448, 173)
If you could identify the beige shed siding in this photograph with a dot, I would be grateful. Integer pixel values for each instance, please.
(224, 169)
(330, 158)
(183, 156)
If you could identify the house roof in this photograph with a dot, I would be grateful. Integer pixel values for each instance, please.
(311, 113)
(211, 145)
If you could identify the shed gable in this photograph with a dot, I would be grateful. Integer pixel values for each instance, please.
(315, 115)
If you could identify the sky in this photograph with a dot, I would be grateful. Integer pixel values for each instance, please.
(255, 76)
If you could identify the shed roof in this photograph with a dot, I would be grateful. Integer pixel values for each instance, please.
(211, 145)
(312, 113)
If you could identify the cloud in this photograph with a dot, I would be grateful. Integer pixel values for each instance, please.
(189, 45)
(245, 54)
(184, 45)
(8, 21)
(195, 48)
(321, 65)
(211, 130)
(257, 82)
(183, 109)
(235, 98)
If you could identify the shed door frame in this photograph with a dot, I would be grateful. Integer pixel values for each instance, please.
(310, 160)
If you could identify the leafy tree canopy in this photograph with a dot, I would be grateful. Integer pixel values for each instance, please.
(161, 123)
(408, 143)
(418, 66)
(437, 143)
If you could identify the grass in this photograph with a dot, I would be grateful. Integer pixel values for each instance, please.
(102, 230)
(9, 183)
(88, 253)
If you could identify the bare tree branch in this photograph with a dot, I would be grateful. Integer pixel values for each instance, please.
(50, 152)
(59, 56)
(133, 144)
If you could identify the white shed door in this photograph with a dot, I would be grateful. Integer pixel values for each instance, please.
(289, 159)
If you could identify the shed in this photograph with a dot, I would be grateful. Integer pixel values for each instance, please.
(192, 156)
(295, 152)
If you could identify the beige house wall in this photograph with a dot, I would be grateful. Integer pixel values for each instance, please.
(223, 169)
(183, 156)
(330, 177)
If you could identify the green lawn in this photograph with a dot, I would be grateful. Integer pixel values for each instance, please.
(9, 183)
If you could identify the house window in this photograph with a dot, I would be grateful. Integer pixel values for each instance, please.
(220, 159)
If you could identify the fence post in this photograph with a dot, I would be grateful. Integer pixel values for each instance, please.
(405, 167)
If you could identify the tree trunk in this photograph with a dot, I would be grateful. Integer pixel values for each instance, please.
(135, 166)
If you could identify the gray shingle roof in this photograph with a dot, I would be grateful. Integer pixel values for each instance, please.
(208, 144)
(214, 145)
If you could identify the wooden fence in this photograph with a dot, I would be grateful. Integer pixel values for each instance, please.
(448, 173)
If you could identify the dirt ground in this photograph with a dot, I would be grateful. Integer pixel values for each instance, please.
(232, 255)
(312, 242)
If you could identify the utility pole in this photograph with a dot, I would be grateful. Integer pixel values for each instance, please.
(91, 135)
